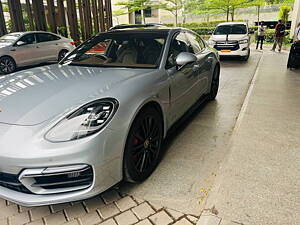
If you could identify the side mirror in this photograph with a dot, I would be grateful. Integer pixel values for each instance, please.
(20, 43)
(185, 58)
(210, 32)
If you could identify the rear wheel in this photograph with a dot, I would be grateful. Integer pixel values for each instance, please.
(62, 54)
(215, 83)
(7, 65)
(143, 145)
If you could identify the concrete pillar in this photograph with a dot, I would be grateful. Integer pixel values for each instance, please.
(296, 17)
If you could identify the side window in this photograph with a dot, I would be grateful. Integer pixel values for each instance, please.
(196, 43)
(46, 37)
(28, 39)
(179, 44)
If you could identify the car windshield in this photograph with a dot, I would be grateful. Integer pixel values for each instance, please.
(231, 29)
(119, 49)
(9, 38)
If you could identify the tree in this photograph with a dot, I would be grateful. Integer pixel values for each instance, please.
(118, 12)
(136, 5)
(284, 13)
(226, 6)
(173, 6)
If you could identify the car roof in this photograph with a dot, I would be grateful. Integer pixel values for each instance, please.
(145, 28)
(30, 32)
(232, 23)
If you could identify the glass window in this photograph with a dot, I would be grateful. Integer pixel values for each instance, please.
(132, 49)
(28, 39)
(46, 37)
(231, 29)
(148, 12)
(179, 44)
(195, 43)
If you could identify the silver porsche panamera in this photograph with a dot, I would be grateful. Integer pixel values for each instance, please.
(70, 131)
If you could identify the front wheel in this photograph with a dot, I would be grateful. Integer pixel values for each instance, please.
(215, 83)
(7, 65)
(245, 58)
(62, 54)
(143, 145)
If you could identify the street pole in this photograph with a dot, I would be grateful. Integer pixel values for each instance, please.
(295, 18)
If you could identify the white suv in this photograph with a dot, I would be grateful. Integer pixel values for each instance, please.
(231, 39)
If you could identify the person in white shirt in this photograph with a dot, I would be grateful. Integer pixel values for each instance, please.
(261, 33)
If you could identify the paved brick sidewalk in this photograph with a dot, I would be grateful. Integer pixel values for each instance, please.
(108, 209)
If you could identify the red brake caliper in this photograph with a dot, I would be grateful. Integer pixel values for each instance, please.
(135, 142)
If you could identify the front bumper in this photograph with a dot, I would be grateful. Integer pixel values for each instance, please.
(233, 49)
(101, 152)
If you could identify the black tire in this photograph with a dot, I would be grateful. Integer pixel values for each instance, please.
(143, 145)
(7, 65)
(62, 54)
(245, 58)
(215, 82)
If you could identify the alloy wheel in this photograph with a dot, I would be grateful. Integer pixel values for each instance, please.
(7, 65)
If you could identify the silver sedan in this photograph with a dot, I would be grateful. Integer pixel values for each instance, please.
(30, 48)
(70, 131)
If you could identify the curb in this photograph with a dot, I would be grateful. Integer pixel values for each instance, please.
(208, 217)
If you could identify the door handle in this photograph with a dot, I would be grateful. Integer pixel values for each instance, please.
(37, 47)
(13, 50)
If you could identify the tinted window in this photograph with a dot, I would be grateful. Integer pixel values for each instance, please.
(120, 49)
(46, 37)
(231, 29)
(179, 44)
(196, 43)
(28, 39)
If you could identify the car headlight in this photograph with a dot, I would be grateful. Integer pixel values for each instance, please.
(84, 121)
(243, 41)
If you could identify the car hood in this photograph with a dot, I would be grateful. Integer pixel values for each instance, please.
(4, 44)
(231, 37)
(36, 95)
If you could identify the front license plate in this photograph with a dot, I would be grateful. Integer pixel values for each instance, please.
(225, 50)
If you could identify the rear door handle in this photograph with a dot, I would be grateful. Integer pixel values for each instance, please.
(13, 50)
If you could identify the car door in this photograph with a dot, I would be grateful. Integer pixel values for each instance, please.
(48, 46)
(27, 52)
(184, 81)
(199, 48)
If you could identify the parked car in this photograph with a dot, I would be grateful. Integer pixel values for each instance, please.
(231, 39)
(30, 48)
(71, 130)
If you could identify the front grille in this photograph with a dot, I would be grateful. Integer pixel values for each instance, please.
(65, 180)
(12, 182)
(227, 45)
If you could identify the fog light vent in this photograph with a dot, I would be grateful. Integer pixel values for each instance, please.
(57, 179)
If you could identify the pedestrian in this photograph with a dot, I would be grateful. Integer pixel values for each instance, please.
(279, 35)
(294, 56)
(261, 34)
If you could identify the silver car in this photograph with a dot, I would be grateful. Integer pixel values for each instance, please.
(70, 131)
(30, 48)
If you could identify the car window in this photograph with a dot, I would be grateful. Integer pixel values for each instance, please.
(196, 43)
(231, 29)
(46, 37)
(121, 49)
(179, 44)
(28, 39)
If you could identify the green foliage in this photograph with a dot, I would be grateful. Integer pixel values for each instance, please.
(284, 13)
(135, 5)
(198, 25)
(173, 6)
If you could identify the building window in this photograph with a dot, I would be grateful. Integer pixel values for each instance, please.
(148, 12)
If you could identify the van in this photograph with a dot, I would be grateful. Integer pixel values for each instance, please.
(231, 39)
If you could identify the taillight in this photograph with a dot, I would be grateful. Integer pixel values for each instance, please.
(72, 43)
